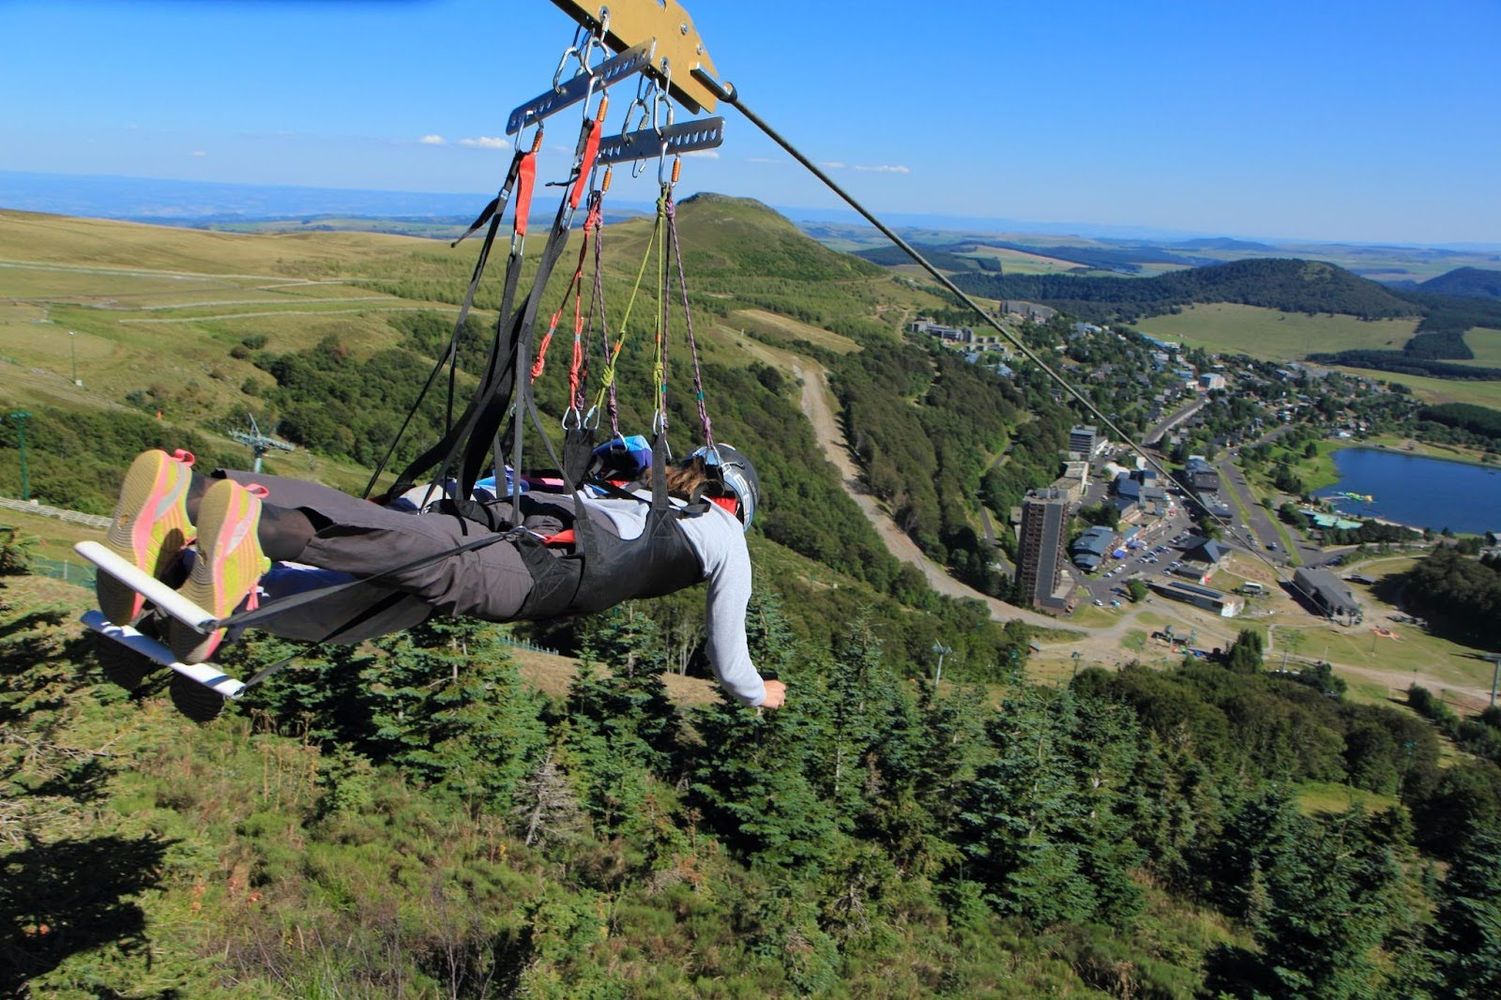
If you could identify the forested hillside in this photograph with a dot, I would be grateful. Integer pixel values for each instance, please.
(1470, 282)
(1289, 285)
(409, 819)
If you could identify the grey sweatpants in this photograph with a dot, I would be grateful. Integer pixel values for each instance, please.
(362, 539)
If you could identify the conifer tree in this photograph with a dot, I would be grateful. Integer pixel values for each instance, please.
(1464, 942)
(1022, 818)
(750, 778)
(446, 703)
(1105, 747)
(850, 707)
(1331, 900)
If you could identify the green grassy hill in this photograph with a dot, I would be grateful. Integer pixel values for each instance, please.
(1274, 335)
(424, 816)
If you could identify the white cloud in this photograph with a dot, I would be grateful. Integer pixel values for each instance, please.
(485, 142)
(703, 154)
(199, 152)
(432, 140)
(885, 169)
(763, 159)
(833, 165)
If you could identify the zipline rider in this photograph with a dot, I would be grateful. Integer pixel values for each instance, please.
(687, 527)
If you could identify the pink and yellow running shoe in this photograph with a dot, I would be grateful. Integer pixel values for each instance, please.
(150, 527)
(229, 564)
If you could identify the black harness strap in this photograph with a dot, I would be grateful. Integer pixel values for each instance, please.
(492, 214)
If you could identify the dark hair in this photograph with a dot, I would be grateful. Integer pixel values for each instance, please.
(687, 479)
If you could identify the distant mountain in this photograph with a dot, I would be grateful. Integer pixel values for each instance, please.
(1289, 285)
(1225, 243)
(1467, 282)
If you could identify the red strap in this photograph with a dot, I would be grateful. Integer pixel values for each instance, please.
(561, 538)
(540, 361)
(526, 178)
(586, 166)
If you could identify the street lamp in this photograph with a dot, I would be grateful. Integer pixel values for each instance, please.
(941, 651)
(20, 417)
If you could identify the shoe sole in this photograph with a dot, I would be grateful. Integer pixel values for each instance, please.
(229, 564)
(149, 528)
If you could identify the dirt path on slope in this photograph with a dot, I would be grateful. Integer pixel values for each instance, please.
(818, 407)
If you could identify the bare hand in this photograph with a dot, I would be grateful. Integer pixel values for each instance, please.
(776, 693)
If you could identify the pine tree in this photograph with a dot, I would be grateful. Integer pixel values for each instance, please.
(1022, 819)
(1105, 746)
(1331, 900)
(849, 707)
(751, 781)
(446, 703)
(1465, 940)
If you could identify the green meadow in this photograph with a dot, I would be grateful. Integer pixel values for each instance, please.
(1276, 336)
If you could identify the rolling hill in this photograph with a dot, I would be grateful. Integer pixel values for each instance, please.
(1466, 282)
(1287, 285)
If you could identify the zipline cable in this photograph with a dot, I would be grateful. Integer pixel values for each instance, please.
(726, 92)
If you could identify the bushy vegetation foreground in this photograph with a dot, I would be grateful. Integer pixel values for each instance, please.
(409, 818)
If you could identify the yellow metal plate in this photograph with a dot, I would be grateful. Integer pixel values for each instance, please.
(678, 43)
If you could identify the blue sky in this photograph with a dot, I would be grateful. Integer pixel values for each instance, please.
(1365, 121)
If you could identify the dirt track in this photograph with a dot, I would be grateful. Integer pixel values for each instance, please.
(818, 407)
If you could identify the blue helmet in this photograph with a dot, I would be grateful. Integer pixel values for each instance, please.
(737, 475)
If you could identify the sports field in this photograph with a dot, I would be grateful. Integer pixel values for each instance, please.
(1276, 336)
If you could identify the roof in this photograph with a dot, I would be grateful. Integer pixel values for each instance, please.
(1327, 588)
(1096, 545)
(1195, 589)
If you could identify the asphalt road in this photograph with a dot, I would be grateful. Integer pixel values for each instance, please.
(1262, 534)
(1155, 434)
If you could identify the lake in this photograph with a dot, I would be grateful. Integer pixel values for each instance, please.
(1423, 492)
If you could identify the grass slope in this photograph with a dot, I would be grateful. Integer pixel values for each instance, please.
(1272, 335)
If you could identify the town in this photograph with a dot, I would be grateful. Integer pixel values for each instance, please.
(1212, 517)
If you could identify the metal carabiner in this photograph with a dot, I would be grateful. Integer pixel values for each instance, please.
(661, 98)
(577, 420)
(591, 419)
(557, 76)
(536, 137)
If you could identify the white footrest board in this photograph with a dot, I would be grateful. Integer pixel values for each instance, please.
(164, 597)
(204, 673)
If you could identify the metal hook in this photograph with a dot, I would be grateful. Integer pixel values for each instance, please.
(557, 75)
(536, 137)
(572, 419)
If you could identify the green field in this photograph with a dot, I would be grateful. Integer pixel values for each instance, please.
(1486, 344)
(1440, 390)
(1276, 336)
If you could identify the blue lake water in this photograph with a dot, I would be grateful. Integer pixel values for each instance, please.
(1423, 492)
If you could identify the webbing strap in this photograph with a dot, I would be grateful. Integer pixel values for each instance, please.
(525, 183)
(590, 154)
(491, 214)
(520, 345)
(698, 379)
(496, 368)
